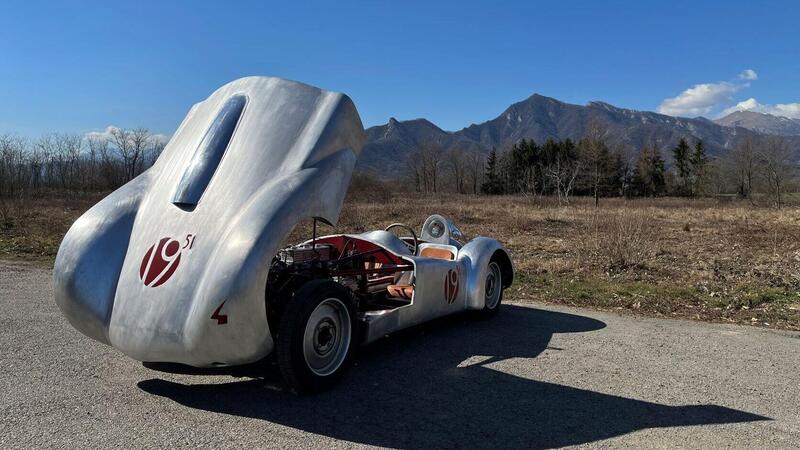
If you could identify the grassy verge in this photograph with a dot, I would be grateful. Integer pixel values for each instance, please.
(29, 247)
(744, 304)
(32, 228)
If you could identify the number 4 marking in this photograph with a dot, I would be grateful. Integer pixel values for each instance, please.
(221, 319)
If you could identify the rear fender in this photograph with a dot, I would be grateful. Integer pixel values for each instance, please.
(476, 256)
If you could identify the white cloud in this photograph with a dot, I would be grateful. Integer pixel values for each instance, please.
(791, 110)
(748, 74)
(699, 99)
(106, 134)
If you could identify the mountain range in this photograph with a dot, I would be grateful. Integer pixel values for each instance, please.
(762, 123)
(540, 118)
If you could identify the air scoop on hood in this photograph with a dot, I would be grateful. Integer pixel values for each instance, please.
(209, 153)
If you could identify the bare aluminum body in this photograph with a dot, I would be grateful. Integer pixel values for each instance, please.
(289, 157)
(429, 300)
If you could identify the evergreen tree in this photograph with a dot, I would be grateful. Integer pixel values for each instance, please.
(597, 165)
(492, 183)
(617, 174)
(658, 172)
(522, 166)
(699, 162)
(649, 177)
(682, 164)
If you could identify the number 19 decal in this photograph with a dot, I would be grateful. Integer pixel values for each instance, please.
(162, 259)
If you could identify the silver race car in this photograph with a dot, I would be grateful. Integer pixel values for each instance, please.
(184, 263)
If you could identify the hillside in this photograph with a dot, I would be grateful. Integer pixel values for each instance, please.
(540, 118)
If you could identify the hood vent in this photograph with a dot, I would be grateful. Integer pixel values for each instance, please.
(209, 154)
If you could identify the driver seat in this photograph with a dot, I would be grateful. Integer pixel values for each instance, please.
(437, 251)
(404, 291)
(403, 287)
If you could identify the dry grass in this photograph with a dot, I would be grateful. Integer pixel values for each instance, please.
(699, 259)
(33, 228)
(617, 240)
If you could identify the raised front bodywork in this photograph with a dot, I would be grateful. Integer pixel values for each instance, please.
(173, 265)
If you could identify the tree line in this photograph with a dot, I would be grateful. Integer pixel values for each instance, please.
(74, 162)
(764, 167)
(561, 168)
(432, 169)
(755, 168)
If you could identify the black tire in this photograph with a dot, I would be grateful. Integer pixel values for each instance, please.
(493, 289)
(321, 368)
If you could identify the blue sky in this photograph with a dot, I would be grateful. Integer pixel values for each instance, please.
(86, 65)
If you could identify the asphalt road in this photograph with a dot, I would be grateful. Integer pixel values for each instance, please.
(533, 377)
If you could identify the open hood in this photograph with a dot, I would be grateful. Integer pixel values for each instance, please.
(251, 132)
(146, 267)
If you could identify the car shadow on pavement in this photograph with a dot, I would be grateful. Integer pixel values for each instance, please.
(433, 386)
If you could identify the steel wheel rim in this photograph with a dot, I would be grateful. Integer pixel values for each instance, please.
(493, 287)
(327, 337)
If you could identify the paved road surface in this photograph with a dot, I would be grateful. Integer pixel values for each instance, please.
(531, 377)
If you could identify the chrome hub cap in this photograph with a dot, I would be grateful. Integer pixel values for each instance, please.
(327, 337)
(493, 287)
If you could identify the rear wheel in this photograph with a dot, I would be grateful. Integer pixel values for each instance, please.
(317, 336)
(493, 289)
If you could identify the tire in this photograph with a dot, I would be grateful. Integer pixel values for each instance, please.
(493, 289)
(317, 336)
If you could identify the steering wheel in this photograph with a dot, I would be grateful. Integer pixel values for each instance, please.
(413, 248)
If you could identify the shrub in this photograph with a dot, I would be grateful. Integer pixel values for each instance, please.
(618, 241)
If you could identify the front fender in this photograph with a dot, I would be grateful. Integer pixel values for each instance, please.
(91, 256)
(237, 271)
(476, 255)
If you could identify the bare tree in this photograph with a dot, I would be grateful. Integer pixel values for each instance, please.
(475, 163)
(741, 166)
(69, 161)
(12, 165)
(156, 147)
(416, 168)
(128, 153)
(97, 153)
(595, 156)
(776, 167)
(141, 142)
(457, 163)
(111, 168)
(425, 165)
(45, 146)
(433, 156)
(65, 159)
(563, 171)
(717, 180)
(36, 162)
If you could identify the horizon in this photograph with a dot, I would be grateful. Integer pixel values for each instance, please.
(144, 66)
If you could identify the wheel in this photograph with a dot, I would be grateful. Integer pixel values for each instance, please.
(317, 336)
(493, 289)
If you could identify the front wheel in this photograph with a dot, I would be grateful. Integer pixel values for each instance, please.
(493, 289)
(316, 337)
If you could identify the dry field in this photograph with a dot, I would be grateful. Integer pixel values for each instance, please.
(698, 259)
